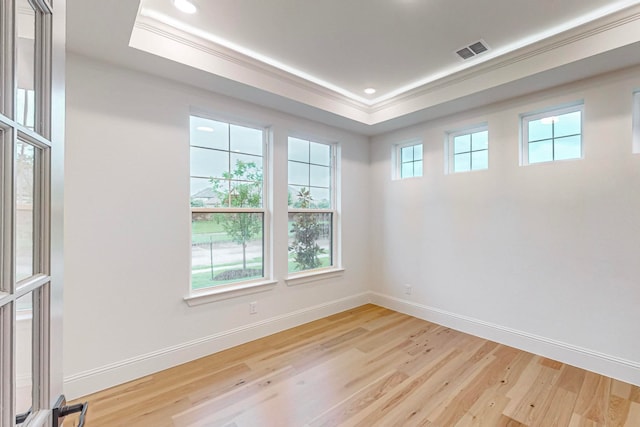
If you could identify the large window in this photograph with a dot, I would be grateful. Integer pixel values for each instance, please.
(408, 160)
(311, 193)
(227, 203)
(469, 150)
(552, 135)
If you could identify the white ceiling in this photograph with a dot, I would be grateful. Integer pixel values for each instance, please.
(315, 58)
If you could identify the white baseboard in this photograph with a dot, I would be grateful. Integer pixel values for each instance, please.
(91, 381)
(611, 366)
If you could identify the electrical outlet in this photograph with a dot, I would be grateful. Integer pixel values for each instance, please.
(407, 289)
(253, 307)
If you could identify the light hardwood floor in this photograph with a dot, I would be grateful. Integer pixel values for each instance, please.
(369, 367)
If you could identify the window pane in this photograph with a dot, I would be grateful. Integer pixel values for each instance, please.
(540, 129)
(320, 198)
(310, 241)
(202, 194)
(568, 124)
(407, 154)
(541, 151)
(207, 163)
(246, 140)
(417, 168)
(24, 352)
(407, 170)
(462, 144)
(245, 166)
(320, 154)
(480, 160)
(568, 148)
(226, 248)
(299, 173)
(417, 152)
(209, 133)
(26, 63)
(480, 141)
(298, 150)
(295, 198)
(25, 169)
(245, 194)
(320, 176)
(462, 162)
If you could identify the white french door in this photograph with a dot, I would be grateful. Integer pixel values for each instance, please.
(31, 154)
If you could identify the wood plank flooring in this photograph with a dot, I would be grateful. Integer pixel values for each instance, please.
(369, 367)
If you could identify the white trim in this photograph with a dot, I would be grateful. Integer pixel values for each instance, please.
(213, 294)
(309, 276)
(92, 380)
(605, 364)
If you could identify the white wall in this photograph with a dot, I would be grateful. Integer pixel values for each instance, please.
(543, 257)
(127, 230)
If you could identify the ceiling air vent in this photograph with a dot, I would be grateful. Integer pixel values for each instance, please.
(472, 50)
(465, 53)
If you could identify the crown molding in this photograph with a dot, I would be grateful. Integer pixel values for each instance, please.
(626, 23)
(154, 34)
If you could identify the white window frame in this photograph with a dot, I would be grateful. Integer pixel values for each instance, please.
(549, 112)
(336, 269)
(241, 287)
(397, 159)
(450, 148)
(636, 122)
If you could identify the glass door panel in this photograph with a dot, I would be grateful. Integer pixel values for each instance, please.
(26, 241)
(24, 354)
(25, 44)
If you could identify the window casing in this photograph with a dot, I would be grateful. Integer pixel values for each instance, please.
(312, 214)
(552, 135)
(409, 160)
(227, 197)
(468, 150)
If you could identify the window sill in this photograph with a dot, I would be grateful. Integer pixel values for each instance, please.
(313, 276)
(222, 293)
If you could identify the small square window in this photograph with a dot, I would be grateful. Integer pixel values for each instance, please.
(468, 150)
(552, 135)
(409, 161)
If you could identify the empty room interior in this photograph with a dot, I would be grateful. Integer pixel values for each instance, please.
(320, 213)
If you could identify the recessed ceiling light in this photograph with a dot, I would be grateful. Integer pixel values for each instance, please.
(204, 129)
(369, 91)
(185, 6)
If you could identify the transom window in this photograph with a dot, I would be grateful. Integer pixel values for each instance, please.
(409, 160)
(552, 135)
(311, 194)
(227, 203)
(469, 150)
